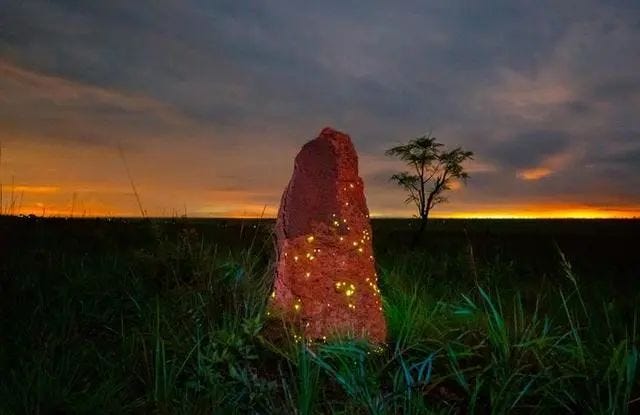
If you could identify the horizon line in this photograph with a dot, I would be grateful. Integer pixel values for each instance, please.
(473, 217)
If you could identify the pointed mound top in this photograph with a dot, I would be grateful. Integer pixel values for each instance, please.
(343, 157)
(322, 168)
(331, 133)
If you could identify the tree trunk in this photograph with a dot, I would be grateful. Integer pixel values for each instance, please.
(417, 236)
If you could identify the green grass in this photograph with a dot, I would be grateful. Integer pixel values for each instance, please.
(169, 317)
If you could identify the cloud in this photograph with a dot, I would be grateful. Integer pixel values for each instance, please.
(529, 149)
(34, 189)
(535, 173)
(620, 90)
(49, 107)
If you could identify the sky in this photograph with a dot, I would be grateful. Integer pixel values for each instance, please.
(209, 102)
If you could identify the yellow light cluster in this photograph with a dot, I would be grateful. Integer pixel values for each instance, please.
(348, 289)
(374, 287)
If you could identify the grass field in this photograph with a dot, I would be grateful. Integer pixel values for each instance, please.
(168, 316)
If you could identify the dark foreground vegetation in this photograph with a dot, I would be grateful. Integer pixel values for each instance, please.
(131, 316)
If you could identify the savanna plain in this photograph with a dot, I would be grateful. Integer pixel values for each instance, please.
(169, 316)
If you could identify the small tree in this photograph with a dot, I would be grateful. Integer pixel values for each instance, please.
(433, 170)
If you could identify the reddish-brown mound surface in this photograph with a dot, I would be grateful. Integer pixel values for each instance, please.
(325, 276)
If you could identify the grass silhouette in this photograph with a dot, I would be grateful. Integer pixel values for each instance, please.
(169, 316)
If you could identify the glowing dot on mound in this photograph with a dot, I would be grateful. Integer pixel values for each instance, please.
(296, 307)
(295, 258)
(346, 203)
(351, 185)
(336, 223)
(310, 239)
(341, 238)
(355, 243)
(349, 293)
(308, 274)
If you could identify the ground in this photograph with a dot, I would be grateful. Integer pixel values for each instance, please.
(168, 316)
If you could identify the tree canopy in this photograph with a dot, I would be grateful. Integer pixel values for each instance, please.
(432, 171)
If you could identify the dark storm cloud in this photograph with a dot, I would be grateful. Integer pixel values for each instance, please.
(614, 90)
(629, 158)
(622, 159)
(530, 148)
(578, 107)
(272, 60)
(519, 83)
